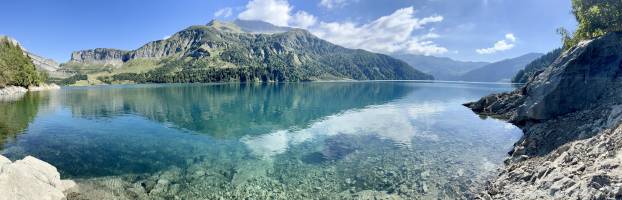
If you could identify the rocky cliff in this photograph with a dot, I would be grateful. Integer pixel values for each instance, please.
(570, 114)
(99, 56)
(42, 63)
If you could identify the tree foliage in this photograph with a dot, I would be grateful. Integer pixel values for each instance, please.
(16, 68)
(595, 18)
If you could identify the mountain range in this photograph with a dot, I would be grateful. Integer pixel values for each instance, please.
(239, 51)
(245, 50)
(502, 71)
(441, 68)
(447, 69)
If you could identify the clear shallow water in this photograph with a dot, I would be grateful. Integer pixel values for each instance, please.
(297, 140)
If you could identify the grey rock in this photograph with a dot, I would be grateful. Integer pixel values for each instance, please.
(31, 178)
(570, 114)
(99, 56)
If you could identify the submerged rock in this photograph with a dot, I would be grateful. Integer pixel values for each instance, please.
(570, 114)
(31, 178)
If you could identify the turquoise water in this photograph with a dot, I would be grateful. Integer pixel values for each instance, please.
(276, 141)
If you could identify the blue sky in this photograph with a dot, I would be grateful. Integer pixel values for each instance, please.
(479, 30)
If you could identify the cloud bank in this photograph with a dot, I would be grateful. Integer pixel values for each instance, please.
(276, 12)
(393, 33)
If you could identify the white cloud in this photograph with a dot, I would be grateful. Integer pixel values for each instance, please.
(302, 19)
(510, 37)
(330, 4)
(502, 45)
(225, 12)
(166, 37)
(388, 34)
(393, 33)
(276, 12)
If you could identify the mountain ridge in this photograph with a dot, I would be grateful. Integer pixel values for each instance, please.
(501, 71)
(442, 68)
(217, 48)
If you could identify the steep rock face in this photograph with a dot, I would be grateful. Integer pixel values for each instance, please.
(180, 44)
(574, 103)
(44, 64)
(583, 77)
(100, 56)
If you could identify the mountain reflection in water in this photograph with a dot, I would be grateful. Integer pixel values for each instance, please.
(342, 136)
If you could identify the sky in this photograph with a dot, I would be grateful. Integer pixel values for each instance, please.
(468, 30)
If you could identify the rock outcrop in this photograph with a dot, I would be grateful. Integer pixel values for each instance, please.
(44, 64)
(99, 56)
(31, 178)
(570, 114)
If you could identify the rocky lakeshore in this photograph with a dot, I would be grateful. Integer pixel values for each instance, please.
(12, 93)
(43, 87)
(570, 114)
(31, 178)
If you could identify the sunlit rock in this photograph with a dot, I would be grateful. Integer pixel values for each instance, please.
(31, 178)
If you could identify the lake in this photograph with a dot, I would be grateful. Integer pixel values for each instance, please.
(322, 140)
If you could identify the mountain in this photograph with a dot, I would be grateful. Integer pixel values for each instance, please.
(536, 66)
(440, 67)
(501, 71)
(226, 51)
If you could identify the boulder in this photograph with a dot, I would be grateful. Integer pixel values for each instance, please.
(31, 178)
